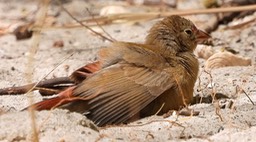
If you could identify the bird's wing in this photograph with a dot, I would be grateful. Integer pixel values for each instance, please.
(130, 52)
(120, 91)
(139, 54)
(84, 72)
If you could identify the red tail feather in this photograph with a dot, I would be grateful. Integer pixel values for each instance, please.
(62, 98)
(67, 95)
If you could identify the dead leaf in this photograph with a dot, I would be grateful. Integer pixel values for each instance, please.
(23, 31)
(58, 43)
(225, 59)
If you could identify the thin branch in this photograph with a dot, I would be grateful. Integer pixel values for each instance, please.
(181, 92)
(50, 72)
(41, 15)
(151, 15)
(248, 97)
(160, 109)
(100, 25)
(213, 92)
(124, 17)
(240, 25)
(87, 27)
(41, 85)
(217, 110)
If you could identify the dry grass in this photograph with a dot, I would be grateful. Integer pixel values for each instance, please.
(41, 14)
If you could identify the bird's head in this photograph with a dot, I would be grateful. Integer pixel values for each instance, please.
(176, 33)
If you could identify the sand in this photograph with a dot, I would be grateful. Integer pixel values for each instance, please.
(236, 124)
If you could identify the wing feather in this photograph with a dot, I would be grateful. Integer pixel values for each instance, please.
(121, 92)
(131, 77)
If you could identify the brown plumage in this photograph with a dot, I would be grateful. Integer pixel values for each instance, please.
(132, 79)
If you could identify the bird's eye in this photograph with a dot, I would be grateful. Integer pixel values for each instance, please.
(188, 32)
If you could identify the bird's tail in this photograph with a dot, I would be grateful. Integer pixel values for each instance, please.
(62, 98)
(66, 96)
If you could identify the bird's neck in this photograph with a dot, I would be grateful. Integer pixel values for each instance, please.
(189, 62)
(173, 51)
(165, 47)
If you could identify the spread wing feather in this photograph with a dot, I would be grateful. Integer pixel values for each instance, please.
(128, 81)
(121, 92)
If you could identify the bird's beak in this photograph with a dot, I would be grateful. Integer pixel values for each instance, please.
(201, 36)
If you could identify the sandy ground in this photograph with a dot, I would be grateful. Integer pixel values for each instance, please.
(237, 123)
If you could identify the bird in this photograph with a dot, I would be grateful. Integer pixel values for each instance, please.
(130, 81)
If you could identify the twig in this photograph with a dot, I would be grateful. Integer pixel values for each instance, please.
(34, 47)
(50, 72)
(217, 110)
(87, 27)
(124, 17)
(100, 25)
(213, 93)
(172, 123)
(248, 97)
(152, 15)
(181, 92)
(200, 87)
(241, 24)
(214, 100)
(41, 85)
(160, 109)
(147, 123)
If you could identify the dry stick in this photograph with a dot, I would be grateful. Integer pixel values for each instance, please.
(121, 18)
(150, 122)
(32, 108)
(152, 15)
(160, 109)
(199, 84)
(173, 123)
(217, 110)
(101, 136)
(240, 25)
(248, 97)
(41, 85)
(214, 101)
(36, 84)
(181, 92)
(34, 47)
(213, 93)
(87, 27)
(35, 43)
(100, 26)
